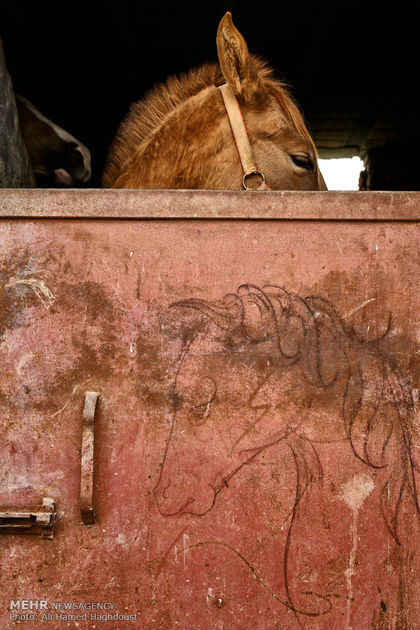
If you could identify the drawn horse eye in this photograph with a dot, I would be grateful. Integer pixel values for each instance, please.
(200, 413)
(302, 161)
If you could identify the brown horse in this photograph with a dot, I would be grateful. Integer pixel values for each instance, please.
(182, 136)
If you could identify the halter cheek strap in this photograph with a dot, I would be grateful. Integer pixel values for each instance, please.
(240, 134)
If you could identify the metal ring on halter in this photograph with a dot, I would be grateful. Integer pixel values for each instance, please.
(249, 175)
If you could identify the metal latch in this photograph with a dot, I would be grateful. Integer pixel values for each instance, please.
(87, 458)
(28, 519)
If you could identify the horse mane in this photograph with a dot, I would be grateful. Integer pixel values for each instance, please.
(376, 405)
(148, 114)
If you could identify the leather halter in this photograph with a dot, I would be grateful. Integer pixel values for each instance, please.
(240, 134)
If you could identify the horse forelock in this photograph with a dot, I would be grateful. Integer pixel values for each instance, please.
(285, 320)
(147, 115)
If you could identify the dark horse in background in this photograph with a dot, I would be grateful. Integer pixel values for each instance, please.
(57, 158)
(33, 149)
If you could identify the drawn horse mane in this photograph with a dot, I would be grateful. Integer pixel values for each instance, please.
(377, 408)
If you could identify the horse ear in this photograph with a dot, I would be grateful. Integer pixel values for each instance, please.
(236, 63)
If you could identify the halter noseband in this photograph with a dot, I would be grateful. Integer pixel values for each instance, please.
(240, 134)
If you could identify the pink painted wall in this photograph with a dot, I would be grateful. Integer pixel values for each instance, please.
(255, 455)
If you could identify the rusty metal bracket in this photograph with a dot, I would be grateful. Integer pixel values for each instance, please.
(29, 519)
(87, 458)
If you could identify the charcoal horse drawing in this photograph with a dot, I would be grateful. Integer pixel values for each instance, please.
(267, 369)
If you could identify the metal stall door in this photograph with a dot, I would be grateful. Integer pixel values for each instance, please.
(208, 410)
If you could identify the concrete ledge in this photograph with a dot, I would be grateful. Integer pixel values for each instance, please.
(192, 204)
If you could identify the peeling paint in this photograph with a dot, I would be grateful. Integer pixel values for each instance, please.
(354, 493)
(38, 286)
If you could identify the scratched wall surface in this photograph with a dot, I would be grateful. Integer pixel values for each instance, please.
(256, 445)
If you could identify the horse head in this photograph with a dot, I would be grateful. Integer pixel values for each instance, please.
(250, 377)
(56, 156)
(180, 136)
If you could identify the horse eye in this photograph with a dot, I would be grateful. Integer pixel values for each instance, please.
(302, 161)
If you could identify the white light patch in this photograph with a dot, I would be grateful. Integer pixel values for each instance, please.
(341, 174)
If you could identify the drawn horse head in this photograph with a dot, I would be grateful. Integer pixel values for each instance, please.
(265, 367)
(180, 135)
